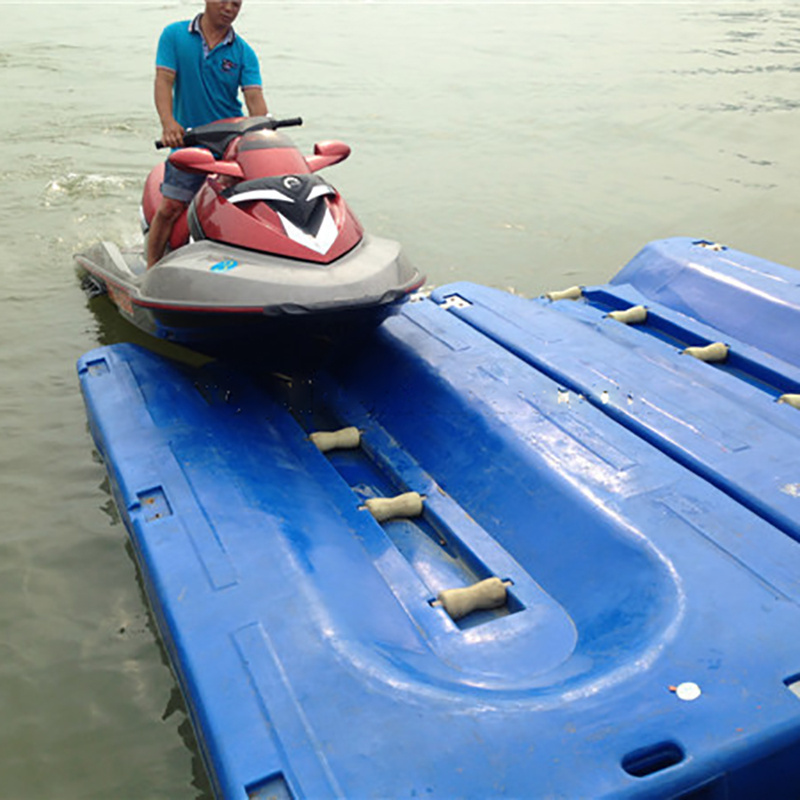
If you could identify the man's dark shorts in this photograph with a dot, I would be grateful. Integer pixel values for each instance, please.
(180, 185)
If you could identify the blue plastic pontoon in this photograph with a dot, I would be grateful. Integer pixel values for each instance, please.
(640, 506)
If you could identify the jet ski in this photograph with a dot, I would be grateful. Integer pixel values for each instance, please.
(267, 247)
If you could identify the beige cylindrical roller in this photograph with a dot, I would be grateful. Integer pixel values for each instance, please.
(792, 400)
(630, 316)
(490, 593)
(711, 352)
(345, 438)
(573, 293)
(404, 505)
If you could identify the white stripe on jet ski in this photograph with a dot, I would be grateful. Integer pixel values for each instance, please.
(320, 243)
(320, 191)
(260, 194)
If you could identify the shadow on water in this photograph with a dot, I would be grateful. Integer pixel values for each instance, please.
(113, 329)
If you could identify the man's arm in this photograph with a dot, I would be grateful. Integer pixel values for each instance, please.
(254, 100)
(171, 130)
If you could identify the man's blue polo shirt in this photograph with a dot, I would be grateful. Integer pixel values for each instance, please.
(206, 81)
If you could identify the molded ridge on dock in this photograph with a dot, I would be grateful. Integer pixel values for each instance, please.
(638, 506)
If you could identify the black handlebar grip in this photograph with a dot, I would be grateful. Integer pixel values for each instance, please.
(287, 123)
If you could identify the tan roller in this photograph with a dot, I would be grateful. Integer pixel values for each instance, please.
(489, 593)
(792, 400)
(408, 504)
(343, 439)
(711, 352)
(573, 293)
(634, 315)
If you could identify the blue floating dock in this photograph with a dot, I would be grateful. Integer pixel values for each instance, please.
(642, 507)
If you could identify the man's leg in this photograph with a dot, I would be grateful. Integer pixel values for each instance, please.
(177, 192)
(161, 227)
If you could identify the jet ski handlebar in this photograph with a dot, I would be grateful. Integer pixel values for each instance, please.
(216, 136)
(289, 122)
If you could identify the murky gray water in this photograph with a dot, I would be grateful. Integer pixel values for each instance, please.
(520, 145)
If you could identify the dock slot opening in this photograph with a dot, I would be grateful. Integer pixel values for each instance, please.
(655, 758)
(154, 504)
(272, 788)
(433, 550)
(98, 366)
(746, 369)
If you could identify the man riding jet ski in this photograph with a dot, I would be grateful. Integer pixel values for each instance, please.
(266, 245)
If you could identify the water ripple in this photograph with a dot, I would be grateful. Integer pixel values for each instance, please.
(75, 184)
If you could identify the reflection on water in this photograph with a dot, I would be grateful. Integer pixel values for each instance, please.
(113, 328)
(175, 706)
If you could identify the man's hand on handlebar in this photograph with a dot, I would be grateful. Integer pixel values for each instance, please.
(172, 134)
